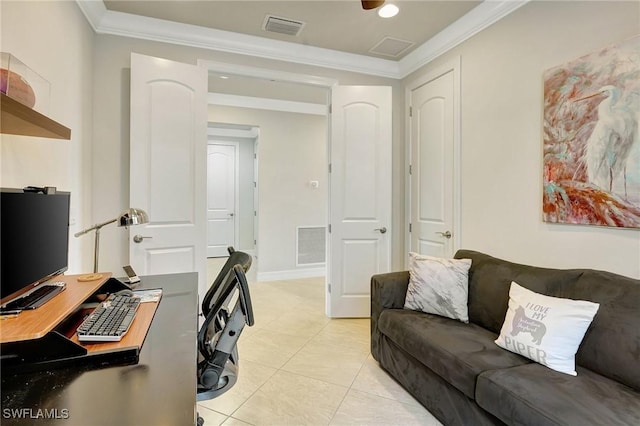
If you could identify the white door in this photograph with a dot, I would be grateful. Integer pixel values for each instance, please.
(360, 196)
(222, 187)
(168, 166)
(433, 154)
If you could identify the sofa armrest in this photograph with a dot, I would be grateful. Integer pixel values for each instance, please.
(388, 291)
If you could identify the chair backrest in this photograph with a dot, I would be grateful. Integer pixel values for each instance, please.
(219, 334)
(235, 258)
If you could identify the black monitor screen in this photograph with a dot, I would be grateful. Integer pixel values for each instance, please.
(34, 230)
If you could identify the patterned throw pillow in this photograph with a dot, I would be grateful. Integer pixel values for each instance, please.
(546, 329)
(438, 286)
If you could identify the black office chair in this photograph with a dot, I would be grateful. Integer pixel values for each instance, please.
(235, 258)
(218, 336)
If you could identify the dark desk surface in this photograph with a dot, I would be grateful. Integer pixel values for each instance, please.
(159, 390)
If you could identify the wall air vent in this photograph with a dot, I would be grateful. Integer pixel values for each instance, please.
(275, 24)
(311, 245)
(390, 46)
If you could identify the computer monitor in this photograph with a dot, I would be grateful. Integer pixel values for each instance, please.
(34, 233)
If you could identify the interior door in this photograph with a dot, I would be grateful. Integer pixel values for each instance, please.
(433, 152)
(360, 196)
(222, 186)
(168, 166)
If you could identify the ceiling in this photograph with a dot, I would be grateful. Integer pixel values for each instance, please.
(339, 25)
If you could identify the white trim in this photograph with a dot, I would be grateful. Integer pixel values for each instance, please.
(225, 99)
(476, 20)
(145, 28)
(248, 133)
(104, 21)
(293, 274)
(267, 74)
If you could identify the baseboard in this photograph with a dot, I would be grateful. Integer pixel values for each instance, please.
(292, 274)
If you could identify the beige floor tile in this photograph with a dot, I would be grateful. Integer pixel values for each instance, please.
(210, 417)
(338, 365)
(270, 348)
(290, 399)
(360, 408)
(234, 422)
(250, 377)
(350, 333)
(374, 380)
(298, 324)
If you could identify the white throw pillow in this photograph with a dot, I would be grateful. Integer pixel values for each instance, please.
(546, 329)
(438, 286)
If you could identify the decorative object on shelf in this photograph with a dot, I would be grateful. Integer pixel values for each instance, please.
(127, 218)
(591, 139)
(21, 83)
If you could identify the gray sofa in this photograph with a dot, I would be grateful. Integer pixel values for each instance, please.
(461, 376)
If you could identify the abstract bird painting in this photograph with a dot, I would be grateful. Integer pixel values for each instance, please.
(591, 139)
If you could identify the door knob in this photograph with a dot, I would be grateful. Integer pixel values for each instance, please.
(231, 214)
(446, 234)
(382, 230)
(139, 238)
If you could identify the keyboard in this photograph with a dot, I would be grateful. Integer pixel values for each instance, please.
(36, 298)
(110, 321)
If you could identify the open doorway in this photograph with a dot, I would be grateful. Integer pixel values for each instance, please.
(232, 182)
(291, 186)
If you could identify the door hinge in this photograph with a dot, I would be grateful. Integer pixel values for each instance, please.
(255, 213)
(255, 156)
(410, 169)
(330, 108)
(255, 242)
(255, 184)
(410, 111)
(329, 287)
(409, 227)
(329, 228)
(329, 167)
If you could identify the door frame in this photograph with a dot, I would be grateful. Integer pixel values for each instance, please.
(213, 140)
(454, 66)
(286, 77)
(217, 131)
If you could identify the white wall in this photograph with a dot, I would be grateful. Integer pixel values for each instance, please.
(54, 39)
(501, 133)
(292, 151)
(111, 132)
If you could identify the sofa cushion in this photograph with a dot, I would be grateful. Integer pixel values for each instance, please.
(546, 329)
(438, 286)
(455, 351)
(490, 279)
(535, 395)
(611, 346)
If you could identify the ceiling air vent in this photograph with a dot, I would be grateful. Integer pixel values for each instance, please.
(390, 46)
(285, 26)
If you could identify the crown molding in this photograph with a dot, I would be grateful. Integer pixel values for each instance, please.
(476, 20)
(104, 21)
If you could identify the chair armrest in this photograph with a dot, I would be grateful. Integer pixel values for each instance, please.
(388, 291)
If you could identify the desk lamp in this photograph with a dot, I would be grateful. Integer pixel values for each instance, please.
(127, 218)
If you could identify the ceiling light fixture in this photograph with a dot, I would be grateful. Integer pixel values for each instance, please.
(388, 11)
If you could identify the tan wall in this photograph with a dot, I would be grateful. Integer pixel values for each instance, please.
(501, 134)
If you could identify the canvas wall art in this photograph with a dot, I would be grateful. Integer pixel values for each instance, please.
(591, 139)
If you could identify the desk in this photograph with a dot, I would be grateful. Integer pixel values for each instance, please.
(159, 390)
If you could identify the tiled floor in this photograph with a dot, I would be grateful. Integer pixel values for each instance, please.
(298, 367)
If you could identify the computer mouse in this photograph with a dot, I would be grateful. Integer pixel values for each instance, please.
(125, 292)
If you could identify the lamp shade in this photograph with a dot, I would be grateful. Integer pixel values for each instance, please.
(133, 217)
